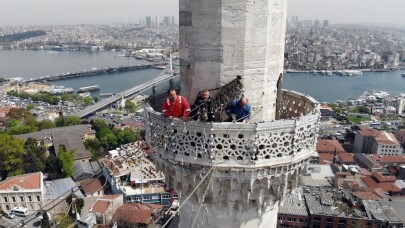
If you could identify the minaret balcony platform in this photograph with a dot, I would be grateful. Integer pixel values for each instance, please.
(289, 140)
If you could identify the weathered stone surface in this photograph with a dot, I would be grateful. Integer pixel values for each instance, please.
(234, 37)
(248, 167)
(255, 164)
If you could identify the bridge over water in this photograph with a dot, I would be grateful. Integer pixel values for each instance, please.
(99, 71)
(125, 94)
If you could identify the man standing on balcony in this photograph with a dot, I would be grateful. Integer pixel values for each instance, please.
(202, 108)
(175, 106)
(239, 110)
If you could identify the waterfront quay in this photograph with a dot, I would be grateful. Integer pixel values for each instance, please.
(94, 71)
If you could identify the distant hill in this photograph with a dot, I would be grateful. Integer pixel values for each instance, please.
(21, 36)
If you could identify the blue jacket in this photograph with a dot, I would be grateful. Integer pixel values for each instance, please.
(240, 112)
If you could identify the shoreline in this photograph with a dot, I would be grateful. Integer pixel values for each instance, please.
(337, 71)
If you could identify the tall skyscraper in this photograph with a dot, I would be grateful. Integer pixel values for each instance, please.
(148, 21)
(166, 21)
(234, 174)
(326, 23)
(317, 23)
(173, 23)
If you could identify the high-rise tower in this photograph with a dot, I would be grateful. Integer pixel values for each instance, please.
(234, 174)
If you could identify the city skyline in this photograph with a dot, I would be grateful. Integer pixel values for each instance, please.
(48, 12)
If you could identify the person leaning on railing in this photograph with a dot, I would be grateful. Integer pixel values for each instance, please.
(175, 106)
(239, 110)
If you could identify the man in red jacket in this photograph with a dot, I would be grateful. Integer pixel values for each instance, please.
(175, 106)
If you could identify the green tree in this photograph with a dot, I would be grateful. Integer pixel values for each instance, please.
(11, 154)
(45, 223)
(98, 124)
(16, 128)
(363, 109)
(127, 136)
(94, 146)
(67, 121)
(142, 133)
(78, 203)
(22, 115)
(129, 106)
(67, 97)
(96, 99)
(66, 160)
(53, 168)
(46, 124)
(87, 100)
(31, 106)
(107, 138)
(35, 156)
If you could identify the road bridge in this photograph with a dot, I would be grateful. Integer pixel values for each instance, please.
(125, 94)
(95, 71)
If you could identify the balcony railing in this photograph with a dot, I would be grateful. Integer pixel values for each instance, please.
(288, 140)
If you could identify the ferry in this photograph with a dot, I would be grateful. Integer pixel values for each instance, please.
(162, 67)
(88, 88)
(85, 94)
(61, 90)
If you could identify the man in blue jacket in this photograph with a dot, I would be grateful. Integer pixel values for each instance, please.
(238, 110)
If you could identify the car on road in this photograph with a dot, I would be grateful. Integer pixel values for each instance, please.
(9, 215)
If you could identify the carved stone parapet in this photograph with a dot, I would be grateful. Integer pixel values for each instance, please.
(249, 166)
(225, 144)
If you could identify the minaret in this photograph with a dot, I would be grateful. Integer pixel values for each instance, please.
(234, 174)
(222, 39)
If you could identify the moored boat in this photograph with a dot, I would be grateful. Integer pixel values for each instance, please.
(88, 88)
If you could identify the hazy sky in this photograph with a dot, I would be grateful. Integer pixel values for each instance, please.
(43, 12)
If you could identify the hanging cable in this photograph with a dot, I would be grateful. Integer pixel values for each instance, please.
(198, 185)
(203, 198)
(72, 190)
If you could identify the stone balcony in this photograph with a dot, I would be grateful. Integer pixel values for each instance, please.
(290, 140)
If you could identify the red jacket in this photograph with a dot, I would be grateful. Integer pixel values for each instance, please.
(178, 108)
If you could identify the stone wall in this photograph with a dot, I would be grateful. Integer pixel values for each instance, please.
(222, 39)
(239, 144)
(249, 166)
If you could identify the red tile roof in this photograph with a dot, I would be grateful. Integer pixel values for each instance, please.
(365, 172)
(137, 213)
(346, 158)
(386, 138)
(92, 185)
(325, 158)
(381, 193)
(325, 106)
(385, 159)
(329, 146)
(102, 204)
(381, 178)
(369, 132)
(378, 181)
(367, 195)
(26, 181)
(370, 182)
(389, 187)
